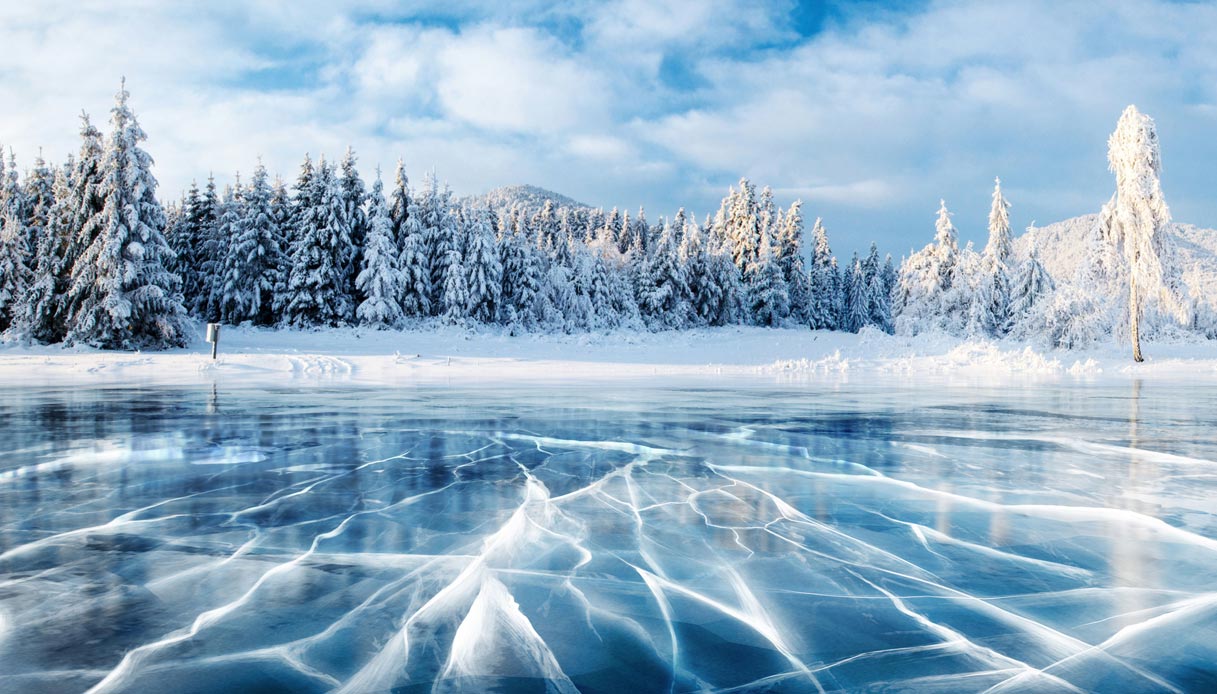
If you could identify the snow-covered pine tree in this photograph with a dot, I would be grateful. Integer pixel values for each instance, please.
(946, 244)
(857, 297)
(996, 263)
(925, 279)
(16, 249)
(439, 232)
(128, 299)
(1139, 221)
(281, 212)
(455, 299)
(484, 269)
(39, 196)
(767, 300)
(316, 286)
(521, 281)
(790, 257)
(545, 226)
(354, 195)
(822, 311)
(663, 291)
(399, 203)
(16, 276)
(84, 210)
(742, 227)
(210, 251)
(878, 305)
(380, 279)
(1031, 282)
(182, 235)
(42, 315)
(968, 302)
(251, 270)
(703, 296)
(414, 261)
(303, 192)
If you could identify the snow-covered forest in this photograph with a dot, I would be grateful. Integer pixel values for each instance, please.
(88, 255)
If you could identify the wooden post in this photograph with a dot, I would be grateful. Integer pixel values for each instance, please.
(213, 336)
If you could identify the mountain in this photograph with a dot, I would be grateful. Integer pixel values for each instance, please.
(530, 197)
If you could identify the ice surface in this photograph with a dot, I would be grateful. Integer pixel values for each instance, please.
(798, 538)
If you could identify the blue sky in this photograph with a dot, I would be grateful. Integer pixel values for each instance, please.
(867, 111)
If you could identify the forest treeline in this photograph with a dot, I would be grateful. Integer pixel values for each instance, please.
(88, 255)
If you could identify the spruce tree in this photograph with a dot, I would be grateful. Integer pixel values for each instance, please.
(767, 298)
(354, 196)
(399, 206)
(822, 310)
(212, 250)
(996, 263)
(128, 300)
(380, 278)
(455, 298)
(316, 288)
(16, 276)
(83, 215)
(42, 315)
(484, 270)
(1030, 284)
(414, 261)
(857, 300)
(16, 250)
(251, 270)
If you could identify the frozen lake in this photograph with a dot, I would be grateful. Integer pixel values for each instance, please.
(792, 538)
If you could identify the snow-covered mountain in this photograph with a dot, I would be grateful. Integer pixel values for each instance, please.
(1061, 247)
(530, 197)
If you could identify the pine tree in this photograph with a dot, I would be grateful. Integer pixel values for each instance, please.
(354, 195)
(878, 307)
(42, 315)
(1031, 282)
(664, 291)
(414, 263)
(1140, 216)
(790, 257)
(399, 206)
(521, 281)
(822, 312)
(996, 263)
(455, 299)
(923, 289)
(211, 251)
(703, 296)
(768, 301)
(439, 235)
(16, 251)
(16, 276)
(380, 279)
(254, 260)
(857, 301)
(128, 299)
(316, 286)
(484, 279)
(82, 217)
(182, 234)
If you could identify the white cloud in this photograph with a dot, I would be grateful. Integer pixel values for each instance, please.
(517, 79)
(866, 122)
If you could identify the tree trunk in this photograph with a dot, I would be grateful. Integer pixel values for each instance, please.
(1134, 314)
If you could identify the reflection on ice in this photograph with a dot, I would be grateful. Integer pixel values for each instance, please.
(668, 540)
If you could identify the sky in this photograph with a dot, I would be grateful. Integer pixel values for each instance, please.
(869, 112)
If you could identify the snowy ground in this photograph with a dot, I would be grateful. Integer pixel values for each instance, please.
(437, 354)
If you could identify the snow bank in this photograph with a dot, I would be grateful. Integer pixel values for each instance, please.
(444, 354)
